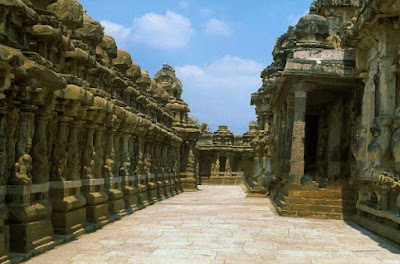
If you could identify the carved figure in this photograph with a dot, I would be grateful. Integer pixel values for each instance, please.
(334, 40)
(108, 168)
(379, 146)
(140, 166)
(395, 143)
(190, 161)
(89, 170)
(125, 169)
(217, 166)
(228, 168)
(147, 164)
(22, 171)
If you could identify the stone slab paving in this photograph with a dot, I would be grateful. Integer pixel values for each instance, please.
(219, 225)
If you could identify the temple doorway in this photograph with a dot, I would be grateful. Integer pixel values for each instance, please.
(311, 142)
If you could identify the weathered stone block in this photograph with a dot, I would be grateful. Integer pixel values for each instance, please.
(30, 236)
(66, 223)
(96, 213)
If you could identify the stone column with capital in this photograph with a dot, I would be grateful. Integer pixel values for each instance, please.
(32, 230)
(149, 164)
(69, 214)
(141, 173)
(188, 177)
(93, 181)
(298, 137)
(112, 184)
(160, 172)
(125, 174)
(4, 229)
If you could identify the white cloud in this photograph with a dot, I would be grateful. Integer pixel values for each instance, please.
(219, 93)
(169, 31)
(217, 27)
(183, 4)
(121, 34)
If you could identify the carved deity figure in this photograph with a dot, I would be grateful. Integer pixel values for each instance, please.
(23, 167)
(22, 171)
(395, 144)
(125, 169)
(217, 166)
(228, 168)
(358, 145)
(147, 164)
(140, 166)
(255, 143)
(59, 168)
(108, 168)
(334, 40)
(190, 161)
(382, 133)
(89, 170)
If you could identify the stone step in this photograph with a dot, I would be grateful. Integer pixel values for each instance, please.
(326, 194)
(326, 202)
(317, 215)
(318, 208)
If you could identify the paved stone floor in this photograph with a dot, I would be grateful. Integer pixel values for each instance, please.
(219, 225)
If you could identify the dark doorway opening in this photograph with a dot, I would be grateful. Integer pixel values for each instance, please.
(222, 163)
(311, 142)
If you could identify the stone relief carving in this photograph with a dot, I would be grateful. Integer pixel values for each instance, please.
(380, 145)
(23, 169)
(39, 152)
(147, 164)
(108, 168)
(334, 40)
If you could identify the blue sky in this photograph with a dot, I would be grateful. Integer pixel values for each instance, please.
(218, 48)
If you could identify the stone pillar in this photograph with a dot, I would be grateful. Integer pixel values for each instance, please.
(177, 178)
(59, 152)
(29, 220)
(160, 173)
(130, 193)
(288, 137)
(69, 215)
(4, 236)
(141, 174)
(298, 137)
(116, 204)
(149, 162)
(131, 190)
(40, 164)
(93, 182)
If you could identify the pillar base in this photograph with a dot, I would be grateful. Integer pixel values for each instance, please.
(66, 223)
(131, 199)
(189, 182)
(143, 198)
(34, 236)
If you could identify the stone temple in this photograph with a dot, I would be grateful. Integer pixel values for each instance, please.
(88, 137)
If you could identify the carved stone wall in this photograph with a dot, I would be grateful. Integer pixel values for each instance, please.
(82, 127)
(332, 98)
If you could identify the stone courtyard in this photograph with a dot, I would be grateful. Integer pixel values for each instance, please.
(219, 225)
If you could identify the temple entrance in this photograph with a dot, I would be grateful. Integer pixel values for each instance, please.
(222, 164)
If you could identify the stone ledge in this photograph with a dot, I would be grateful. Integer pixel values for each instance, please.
(65, 184)
(24, 189)
(380, 213)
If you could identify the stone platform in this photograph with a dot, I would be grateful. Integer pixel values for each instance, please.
(219, 225)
